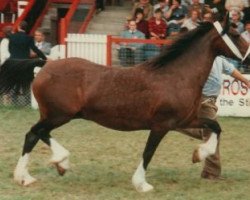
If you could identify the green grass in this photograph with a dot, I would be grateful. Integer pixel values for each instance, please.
(103, 162)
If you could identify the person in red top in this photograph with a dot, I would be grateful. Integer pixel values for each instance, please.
(157, 26)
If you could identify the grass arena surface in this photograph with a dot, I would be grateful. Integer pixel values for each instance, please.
(103, 162)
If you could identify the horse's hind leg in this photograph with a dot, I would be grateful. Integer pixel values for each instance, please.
(60, 155)
(139, 180)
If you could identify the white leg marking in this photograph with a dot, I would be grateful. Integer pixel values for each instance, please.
(139, 180)
(208, 148)
(60, 154)
(21, 174)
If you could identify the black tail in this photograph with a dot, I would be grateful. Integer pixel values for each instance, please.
(17, 74)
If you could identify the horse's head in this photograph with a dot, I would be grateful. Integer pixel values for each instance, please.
(231, 44)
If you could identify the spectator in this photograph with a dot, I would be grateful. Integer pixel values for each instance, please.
(217, 7)
(131, 53)
(186, 2)
(196, 5)
(145, 6)
(208, 17)
(157, 26)
(246, 33)
(235, 19)
(163, 5)
(41, 43)
(175, 16)
(193, 21)
(141, 23)
(234, 5)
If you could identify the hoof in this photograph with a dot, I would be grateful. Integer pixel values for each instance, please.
(61, 171)
(62, 166)
(144, 187)
(196, 157)
(25, 181)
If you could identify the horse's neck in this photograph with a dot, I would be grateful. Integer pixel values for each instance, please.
(197, 61)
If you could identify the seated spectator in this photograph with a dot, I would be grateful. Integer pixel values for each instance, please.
(157, 26)
(217, 7)
(235, 19)
(175, 16)
(157, 29)
(145, 6)
(186, 3)
(41, 44)
(246, 33)
(131, 53)
(234, 5)
(196, 5)
(207, 17)
(193, 21)
(141, 23)
(163, 5)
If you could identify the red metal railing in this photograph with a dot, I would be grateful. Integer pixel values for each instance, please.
(112, 39)
(24, 14)
(40, 18)
(88, 18)
(3, 4)
(64, 22)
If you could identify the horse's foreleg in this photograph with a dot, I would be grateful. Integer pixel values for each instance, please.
(209, 147)
(138, 179)
(21, 174)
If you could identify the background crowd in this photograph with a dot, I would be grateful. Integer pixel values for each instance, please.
(164, 19)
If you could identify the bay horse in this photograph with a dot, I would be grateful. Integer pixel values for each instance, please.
(159, 95)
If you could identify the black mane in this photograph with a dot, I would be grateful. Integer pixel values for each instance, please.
(179, 46)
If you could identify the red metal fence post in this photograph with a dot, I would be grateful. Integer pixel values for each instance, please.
(109, 50)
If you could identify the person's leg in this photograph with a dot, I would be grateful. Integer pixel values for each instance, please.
(212, 167)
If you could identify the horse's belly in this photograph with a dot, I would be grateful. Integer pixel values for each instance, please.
(118, 121)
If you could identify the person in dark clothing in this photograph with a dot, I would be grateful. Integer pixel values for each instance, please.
(141, 23)
(20, 44)
(217, 7)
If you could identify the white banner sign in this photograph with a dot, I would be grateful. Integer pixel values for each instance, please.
(234, 99)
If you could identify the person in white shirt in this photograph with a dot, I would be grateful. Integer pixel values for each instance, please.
(193, 21)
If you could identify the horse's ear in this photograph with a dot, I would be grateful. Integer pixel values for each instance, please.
(226, 24)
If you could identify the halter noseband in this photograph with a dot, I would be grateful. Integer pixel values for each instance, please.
(229, 42)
